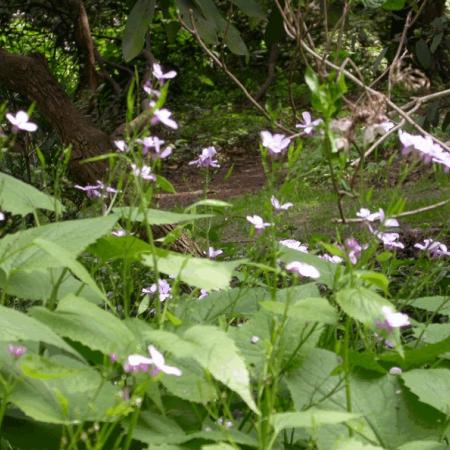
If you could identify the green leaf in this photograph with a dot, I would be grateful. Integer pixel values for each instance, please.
(198, 272)
(209, 202)
(423, 54)
(79, 394)
(66, 259)
(394, 5)
(81, 321)
(17, 251)
(136, 28)
(17, 326)
(250, 7)
(307, 310)
(219, 446)
(422, 445)
(213, 349)
(437, 304)
(362, 304)
(165, 184)
(353, 444)
(158, 217)
(110, 248)
(432, 386)
(311, 418)
(18, 197)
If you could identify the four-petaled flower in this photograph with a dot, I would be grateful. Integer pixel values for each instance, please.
(278, 205)
(206, 158)
(392, 319)
(121, 145)
(145, 172)
(21, 121)
(162, 287)
(434, 248)
(155, 144)
(160, 75)
(148, 89)
(258, 222)
(213, 253)
(140, 363)
(294, 245)
(276, 143)
(163, 115)
(308, 126)
(16, 350)
(203, 294)
(354, 249)
(331, 258)
(303, 269)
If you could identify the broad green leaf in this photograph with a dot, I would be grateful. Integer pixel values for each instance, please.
(80, 320)
(17, 251)
(155, 429)
(353, 444)
(423, 445)
(394, 5)
(250, 7)
(306, 310)
(436, 304)
(209, 202)
(109, 248)
(219, 446)
(66, 259)
(212, 348)
(311, 418)
(17, 326)
(136, 28)
(18, 197)
(198, 272)
(79, 394)
(42, 284)
(362, 304)
(423, 54)
(158, 217)
(432, 386)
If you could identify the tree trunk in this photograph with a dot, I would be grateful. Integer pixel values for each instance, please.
(31, 77)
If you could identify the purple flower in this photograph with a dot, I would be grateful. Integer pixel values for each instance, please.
(160, 75)
(354, 249)
(163, 116)
(137, 363)
(16, 350)
(155, 143)
(278, 206)
(203, 294)
(212, 253)
(121, 145)
(389, 240)
(303, 269)
(21, 121)
(434, 248)
(392, 319)
(276, 143)
(119, 233)
(152, 92)
(308, 124)
(145, 172)
(113, 357)
(206, 158)
(162, 287)
(395, 371)
(160, 363)
(294, 245)
(92, 191)
(258, 222)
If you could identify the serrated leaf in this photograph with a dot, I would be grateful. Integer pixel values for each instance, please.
(17, 326)
(311, 418)
(308, 310)
(157, 216)
(198, 272)
(136, 28)
(81, 321)
(20, 198)
(432, 386)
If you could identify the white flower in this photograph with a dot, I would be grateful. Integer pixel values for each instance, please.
(394, 319)
(145, 172)
(21, 121)
(212, 253)
(294, 245)
(258, 222)
(395, 371)
(160, 363)
(308, 124)
(121, 145)
(276, 143)
(303, 269)
(163, 116)
(160, 75)
(333, 259)
(278, 206)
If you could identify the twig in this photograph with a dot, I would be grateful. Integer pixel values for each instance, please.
(427, 98)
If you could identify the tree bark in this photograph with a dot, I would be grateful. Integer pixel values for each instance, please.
(30, 76)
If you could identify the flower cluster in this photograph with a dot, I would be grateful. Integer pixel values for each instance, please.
(435, 249)
(162, 287)
(144, 172)
(99, 190)
(425, 148)
(16, 350)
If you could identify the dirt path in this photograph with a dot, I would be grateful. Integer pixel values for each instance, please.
(240, 174)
